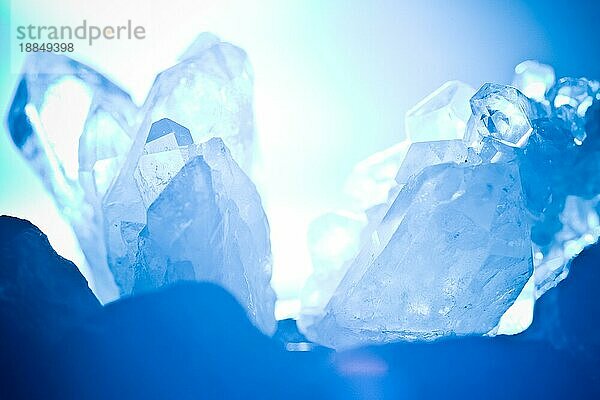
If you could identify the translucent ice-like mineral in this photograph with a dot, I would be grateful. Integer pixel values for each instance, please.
(75, 128)
(191, 213)
(442, 115)
(501, 112)
(210, 92)
(472, 231)
(449, 257)
(153, 201)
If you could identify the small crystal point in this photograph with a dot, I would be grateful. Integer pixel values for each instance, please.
(442, 115)
(167, 135)
(424, 154)
(203, 42)
(501, 112)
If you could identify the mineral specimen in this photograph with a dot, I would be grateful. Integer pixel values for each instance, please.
(450, 256)
(501, 112)
(442, 115)
(191, 214)
(473, 232)
(152, 201)
(210, 92)
(75, 127)
(456, 230)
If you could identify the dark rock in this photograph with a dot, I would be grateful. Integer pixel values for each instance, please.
(567, 315)
(193, 340)
(190, 340)
(42, 296)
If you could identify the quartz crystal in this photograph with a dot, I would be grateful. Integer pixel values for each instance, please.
(456, 230)
(152, 197)
(191, 214)
(75, 127)
(425, 154)
(501, 112)
(210, 92)
(449, 257)
(473, 231)
(442, 115)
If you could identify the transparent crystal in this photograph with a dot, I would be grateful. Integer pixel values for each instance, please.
(424, 154)
(73, 126)
(197, 217)
(501, 112)
(442, 115)
(210, 92)
(450, 257)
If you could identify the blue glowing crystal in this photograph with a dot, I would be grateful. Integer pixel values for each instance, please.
(501, 112)
(75, 128)
(524, 179)
(126, 179)
(442, 115)
(450, 257)
(207, 223)
(191, 214)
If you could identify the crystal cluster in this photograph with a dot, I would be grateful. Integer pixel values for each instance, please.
(155, 194)
(469, 220)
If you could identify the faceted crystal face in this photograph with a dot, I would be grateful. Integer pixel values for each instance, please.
(450, 257)
(425, 154)
(534, 79)
(60, 103)
(164, 155)
(195, 215)
(210, 93)
(167, 135)
(501, 112)
(73, 126)
(442, 115)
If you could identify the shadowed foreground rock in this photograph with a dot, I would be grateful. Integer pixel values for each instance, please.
(42, 296)
(194, 340)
